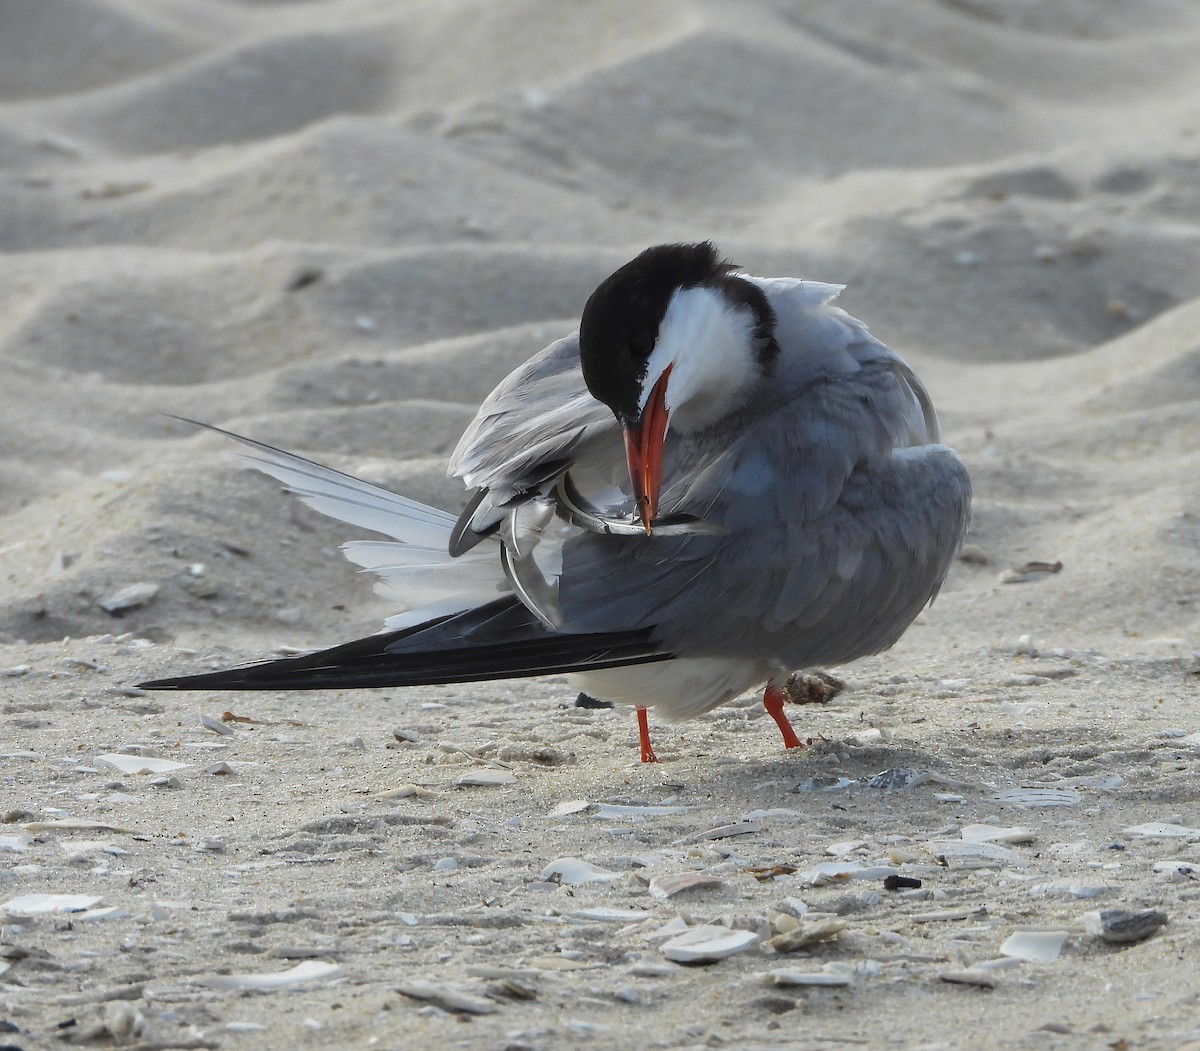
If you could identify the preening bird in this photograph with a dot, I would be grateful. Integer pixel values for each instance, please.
(717, 480)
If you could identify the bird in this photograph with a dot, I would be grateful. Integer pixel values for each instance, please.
(716, 481)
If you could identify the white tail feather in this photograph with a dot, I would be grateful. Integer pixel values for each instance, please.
(416, 570)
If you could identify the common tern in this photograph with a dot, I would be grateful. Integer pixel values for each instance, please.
(717, 480)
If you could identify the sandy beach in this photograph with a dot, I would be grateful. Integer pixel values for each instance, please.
(334, 226)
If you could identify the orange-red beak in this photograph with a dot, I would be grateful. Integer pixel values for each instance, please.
(644, 449)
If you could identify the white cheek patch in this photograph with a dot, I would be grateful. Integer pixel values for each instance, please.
(709, 343)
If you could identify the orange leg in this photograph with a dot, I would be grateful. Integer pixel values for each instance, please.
(648, 755)
(773, 702)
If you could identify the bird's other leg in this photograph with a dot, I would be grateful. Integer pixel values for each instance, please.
(773, 702)
(648, 755)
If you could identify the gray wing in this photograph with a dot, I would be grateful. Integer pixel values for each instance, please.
(539, 421)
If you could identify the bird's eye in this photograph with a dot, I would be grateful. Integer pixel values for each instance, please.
(641, 344)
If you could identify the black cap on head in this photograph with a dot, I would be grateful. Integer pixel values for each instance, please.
(621, 319)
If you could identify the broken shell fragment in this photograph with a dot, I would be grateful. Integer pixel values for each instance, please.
(138, 764)
(830, 974)
(446, 997)
(995, 834)
(664, 887)
(956, 854)
(35, 904)
(808, 932)
(129, 597)
(706, 943)
(301, 974)
(1121, 926)
(486, 778)
(576, 871)
(1034, 946)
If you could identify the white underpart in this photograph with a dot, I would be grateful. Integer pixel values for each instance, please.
(676, 689)
(709, 342)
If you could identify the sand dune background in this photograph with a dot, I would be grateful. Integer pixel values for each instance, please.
(334, 225)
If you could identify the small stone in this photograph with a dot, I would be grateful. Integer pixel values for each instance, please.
(129, 597)
(652, 969)
(970, 976)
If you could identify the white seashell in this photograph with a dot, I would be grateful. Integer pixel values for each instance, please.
(706, 942)
(569, 806)
(844, 847)
(1070, 889)
(15, 844)
(984, 979)
(1162, 830)
(755, 815)
(75, 824)
(214, 724)
(164, 910)
(668, 930)
(446, 997)
(1038, 797)
(486, 778)
(809, 932)
(828, 975)
(1035, 946)
(406, 792)
(35, 904)
(129, 597)
(663, 887)
(575, 871)
(950, 914)
(620, 812)
(301, 974)
(784, 922)
(138, 764)
(112, 912)
(959, 855)
(604, 914)
(994, 834)
(839, 871)
(739, 828)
